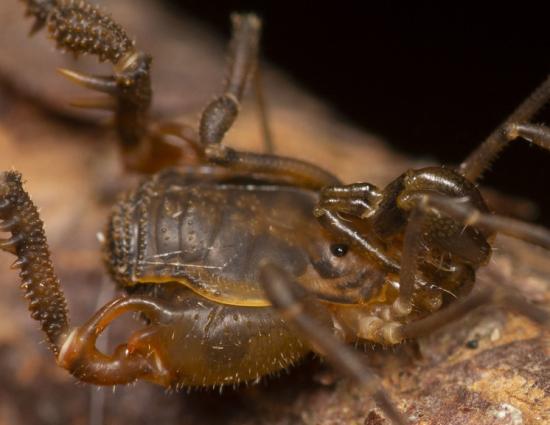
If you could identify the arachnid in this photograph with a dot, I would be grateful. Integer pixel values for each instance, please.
(369, 264)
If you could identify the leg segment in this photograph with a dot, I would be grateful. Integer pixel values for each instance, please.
(479, 160)
(538, 134)
(468, 243)
(286, 297)
(287, 170)
(470, 216)
(267, 134)
(426, 228)
(221, 113)
(461, 308)
(396, 213)
(412, 247)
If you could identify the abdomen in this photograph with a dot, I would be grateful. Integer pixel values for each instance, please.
(204, 343)
(210, 234)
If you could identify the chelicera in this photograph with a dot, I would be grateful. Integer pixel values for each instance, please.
(244, 262)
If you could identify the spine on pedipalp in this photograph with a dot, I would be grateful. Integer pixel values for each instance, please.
(80, 27)
(28, 243)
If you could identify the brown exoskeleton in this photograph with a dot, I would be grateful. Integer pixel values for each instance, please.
(194, 248)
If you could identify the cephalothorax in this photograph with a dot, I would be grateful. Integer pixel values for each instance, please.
(204, 252)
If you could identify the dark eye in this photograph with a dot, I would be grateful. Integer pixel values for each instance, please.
(339, 249)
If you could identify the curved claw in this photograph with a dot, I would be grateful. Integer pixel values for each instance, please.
(128, 363)
(102, 103)
(104, 84)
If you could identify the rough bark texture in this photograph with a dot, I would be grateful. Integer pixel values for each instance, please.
(70, 165)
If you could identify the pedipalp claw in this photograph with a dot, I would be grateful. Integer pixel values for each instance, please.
(101, 103)
(104, 84)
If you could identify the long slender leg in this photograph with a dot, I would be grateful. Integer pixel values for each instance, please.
(479, 160)
(510, 205)
(470, 216)
(426, 227)
(221, 113)
(412, 246)
(538, 134)
(462, 307)
(465, 243)
(289, 170)
(286, 297)
(182, 137)
(267, 133)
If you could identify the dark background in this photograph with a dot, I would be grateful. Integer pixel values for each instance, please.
(432, 80)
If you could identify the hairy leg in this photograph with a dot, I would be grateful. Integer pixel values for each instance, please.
(293, 304)
(516, 125)
(221, 113)
(468, 242)
(465, 213)
(463, 307)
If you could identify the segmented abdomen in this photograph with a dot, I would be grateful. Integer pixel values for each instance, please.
(212, 235)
